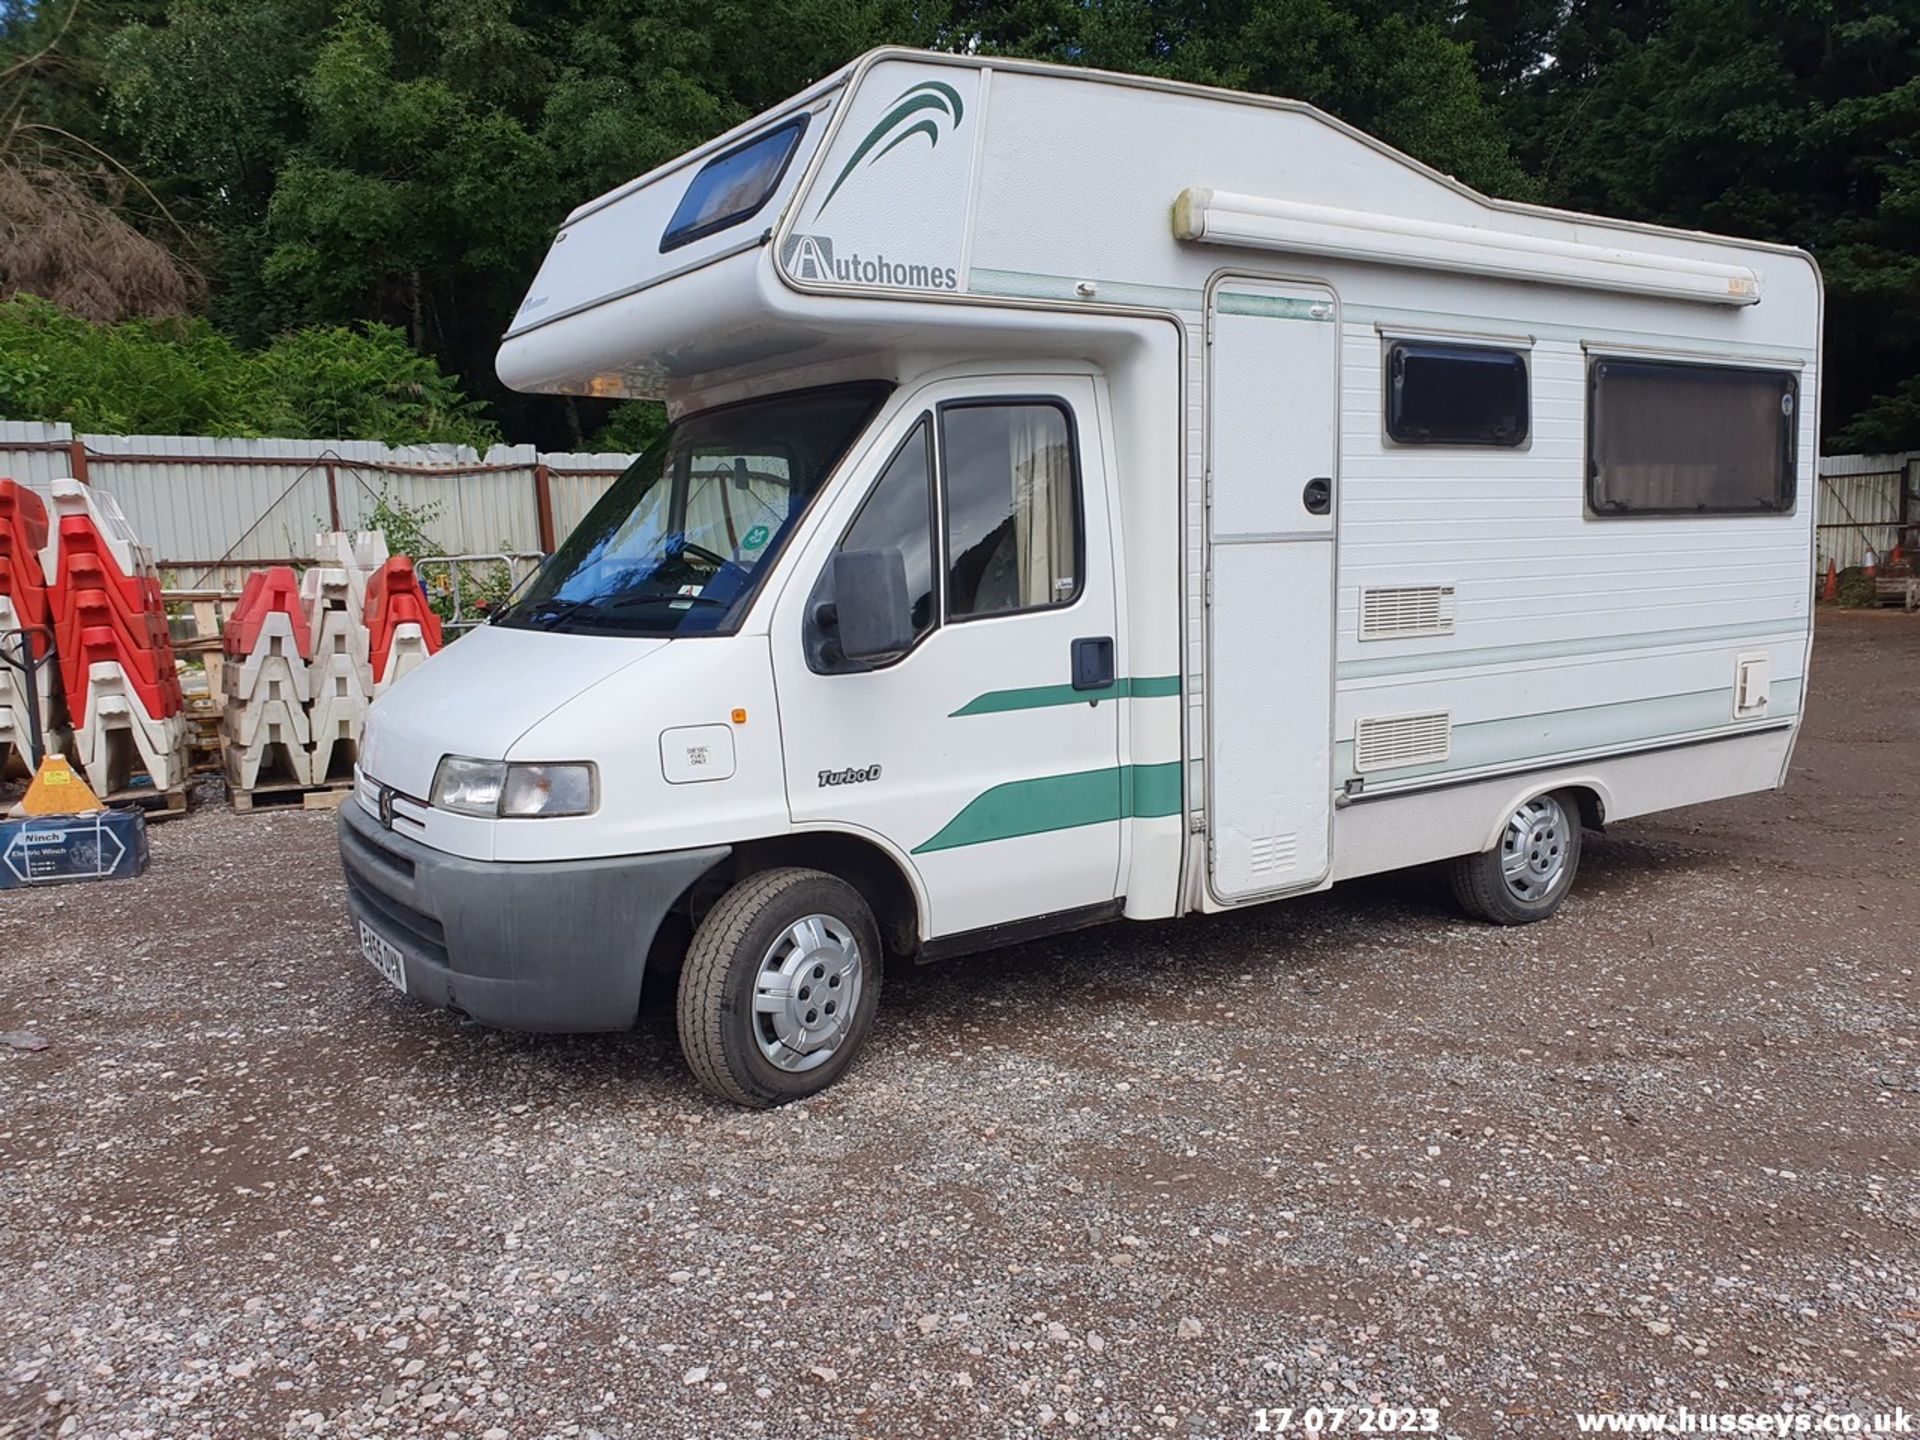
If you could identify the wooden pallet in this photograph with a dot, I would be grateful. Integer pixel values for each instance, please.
(288, 797)
(1901, 590)
(158, 804)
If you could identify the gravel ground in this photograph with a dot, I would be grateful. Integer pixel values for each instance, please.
(1662, 1151)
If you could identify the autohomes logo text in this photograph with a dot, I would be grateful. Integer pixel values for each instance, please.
(811, 257)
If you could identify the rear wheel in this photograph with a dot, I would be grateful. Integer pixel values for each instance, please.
(1528, 873)
(780, 987)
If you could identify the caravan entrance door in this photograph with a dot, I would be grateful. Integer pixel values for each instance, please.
(1273, 387)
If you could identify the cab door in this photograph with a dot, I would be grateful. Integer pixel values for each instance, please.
(987, 756)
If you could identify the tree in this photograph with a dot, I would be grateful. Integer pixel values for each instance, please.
(70, 213)
(1782, 120)
(182, 377)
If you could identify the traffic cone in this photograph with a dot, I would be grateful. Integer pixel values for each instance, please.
(1831, 590)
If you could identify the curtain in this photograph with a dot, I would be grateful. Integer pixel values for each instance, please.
(1043, 504)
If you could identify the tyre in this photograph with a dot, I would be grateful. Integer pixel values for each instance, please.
(1526, 876)
(779, 988)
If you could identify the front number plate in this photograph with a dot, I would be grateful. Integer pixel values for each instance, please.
(384, 956)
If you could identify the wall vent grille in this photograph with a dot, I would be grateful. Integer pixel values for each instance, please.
(1273, 853)
(1386, 742)
(1399, 612)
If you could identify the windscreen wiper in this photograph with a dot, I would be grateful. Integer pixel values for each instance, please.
(555, 611)
(651, 597)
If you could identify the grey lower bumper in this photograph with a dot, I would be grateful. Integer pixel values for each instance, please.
(557, 946)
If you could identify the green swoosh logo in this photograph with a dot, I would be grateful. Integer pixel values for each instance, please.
(933, 95)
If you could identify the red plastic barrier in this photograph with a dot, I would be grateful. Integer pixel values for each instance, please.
(394, 598)
(268, 592)
(101, 614)
(24, 513)
(23, 532)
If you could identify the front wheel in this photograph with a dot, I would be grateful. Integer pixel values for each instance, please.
(779, 988)
(1528, 873)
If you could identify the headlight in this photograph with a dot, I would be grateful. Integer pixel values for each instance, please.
(548, 790)
(469, 787)
(493, 789)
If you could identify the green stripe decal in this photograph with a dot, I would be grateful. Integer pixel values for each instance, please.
(1028, 285)
(1062, 802)
(1040, 697)
(1151, 791)
(1272, 307)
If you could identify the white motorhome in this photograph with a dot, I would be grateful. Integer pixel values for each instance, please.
(1086, 497)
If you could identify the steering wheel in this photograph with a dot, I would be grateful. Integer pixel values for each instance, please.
(688, 547)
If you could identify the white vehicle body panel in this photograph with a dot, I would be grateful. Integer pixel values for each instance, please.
(1002, 227)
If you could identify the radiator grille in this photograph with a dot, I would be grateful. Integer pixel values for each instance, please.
(1384, 742)
(1395, 612)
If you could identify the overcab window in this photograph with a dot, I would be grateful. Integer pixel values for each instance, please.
(733, 185)
(1667, 438)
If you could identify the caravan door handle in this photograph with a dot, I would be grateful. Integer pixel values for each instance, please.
(1318, 496)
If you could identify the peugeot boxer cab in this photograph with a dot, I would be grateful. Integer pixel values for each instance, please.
(1083, 497)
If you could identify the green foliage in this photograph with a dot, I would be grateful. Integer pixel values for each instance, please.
(1795, 121)
(631, 427)
(326, 163)
(364, 383)
(404, 524)
(408, 160)
(1856, 590)
(181, 377)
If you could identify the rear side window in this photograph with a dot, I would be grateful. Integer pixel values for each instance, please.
(733, 185)
(1456, 395)
(1667, 438)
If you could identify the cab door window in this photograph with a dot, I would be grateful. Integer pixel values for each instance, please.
(1012, 497)
(896, 515)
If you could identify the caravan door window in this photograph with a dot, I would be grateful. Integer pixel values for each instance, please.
(1012, 490)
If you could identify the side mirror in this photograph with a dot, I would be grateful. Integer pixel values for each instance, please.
(870, 608)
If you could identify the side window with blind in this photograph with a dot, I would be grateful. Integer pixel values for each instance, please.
(1012, 506)
(1669, 438)
(896, 515)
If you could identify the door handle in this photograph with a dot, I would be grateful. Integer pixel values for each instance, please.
(1093, 663)
(1318, 496)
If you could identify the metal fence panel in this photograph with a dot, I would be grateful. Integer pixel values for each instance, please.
(1859, 506)
(208, 503)
(578, 480)
(35, 453)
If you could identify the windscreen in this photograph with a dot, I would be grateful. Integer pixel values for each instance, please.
(680, 542)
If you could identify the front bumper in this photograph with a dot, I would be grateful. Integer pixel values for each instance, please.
(552, 946)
